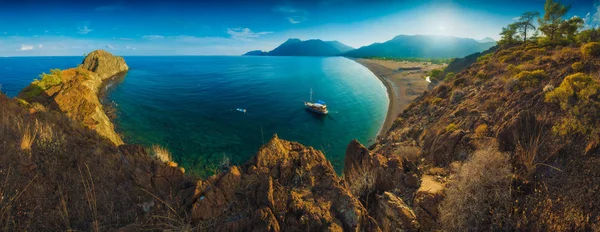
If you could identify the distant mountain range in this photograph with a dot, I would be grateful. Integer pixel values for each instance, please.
(486, 40)
(402, 46)
(313, 47)
(422, 46)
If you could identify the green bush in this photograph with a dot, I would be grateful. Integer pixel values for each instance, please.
(591, 50)
(451, 127)
(529, 79)
(576, 87)
(48, 80)
(449, 76)
(577, 66)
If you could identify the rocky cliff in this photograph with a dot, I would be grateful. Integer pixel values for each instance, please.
(509, 143)
(75, 91)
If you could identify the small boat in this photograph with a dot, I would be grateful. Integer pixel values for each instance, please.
(241, 110)
(318, 107)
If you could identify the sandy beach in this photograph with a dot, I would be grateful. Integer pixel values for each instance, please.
(403, 84)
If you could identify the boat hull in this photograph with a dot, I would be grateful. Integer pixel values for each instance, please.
(310, 107)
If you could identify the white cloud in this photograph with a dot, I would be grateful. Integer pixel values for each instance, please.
(40, 45)
(592, 19)
(293, 15)
(153, 37)
(110, 46)
(84, 30)
(245, 33)
(129, 48)
(25, 47)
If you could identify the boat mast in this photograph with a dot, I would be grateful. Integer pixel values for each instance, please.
(311, 93)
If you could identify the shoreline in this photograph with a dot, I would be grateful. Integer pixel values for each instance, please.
(402, 86)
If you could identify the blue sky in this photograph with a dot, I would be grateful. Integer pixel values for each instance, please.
(155, 27)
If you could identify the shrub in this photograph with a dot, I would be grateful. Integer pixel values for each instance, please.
(48, 80)
(478, 197)
(590, 50)
(577, 66)
(567, 126)
(481, 75)
(449, 76)
(161, 154)
(451, 127)
(485, 57)
(436, 101)
(575, 87)
(481, 130)
(528, 79)
(457, 95)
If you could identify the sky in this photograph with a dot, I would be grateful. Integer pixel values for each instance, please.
(161, 27)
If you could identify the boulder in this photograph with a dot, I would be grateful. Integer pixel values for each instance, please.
(393, 214)
(426, 202)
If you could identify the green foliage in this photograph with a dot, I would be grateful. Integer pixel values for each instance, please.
(451, 127)
(577, 66)
(413, 59)
(509, 34)
(576, 87)
(551, 23)
(48, 80)
(44, 82)
(481, 75)
(449, 76)
(529, 79)
(590, 50)
(525, 23)
(567, 126)
(590, 35)
(484, 57)
(436, 73)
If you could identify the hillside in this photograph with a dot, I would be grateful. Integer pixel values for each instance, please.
(421, 46)
(511, 142)
(313, 47)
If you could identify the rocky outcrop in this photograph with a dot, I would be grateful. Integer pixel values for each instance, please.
(393, 214)
(75, 91)
(287, 187)
(104, 64)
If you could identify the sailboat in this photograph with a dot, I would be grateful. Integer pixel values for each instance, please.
(318, 107)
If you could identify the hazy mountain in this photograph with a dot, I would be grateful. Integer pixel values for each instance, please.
(486, 40)
(422, 46)
(313, 47)
(255, 53)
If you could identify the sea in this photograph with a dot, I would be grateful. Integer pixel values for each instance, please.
(189, 104)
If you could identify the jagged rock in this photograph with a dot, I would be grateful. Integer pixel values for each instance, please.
(288, 186)
(365, 172)
(427, 200)
(393, 214)
(440, 148)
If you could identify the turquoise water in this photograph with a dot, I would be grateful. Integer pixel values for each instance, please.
(187, 104)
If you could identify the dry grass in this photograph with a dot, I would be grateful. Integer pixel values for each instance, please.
(161, 154)
(530, 137)
(479, 195)
(8, 201)
(90, 196)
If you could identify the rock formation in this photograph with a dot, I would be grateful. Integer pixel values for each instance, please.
(75, 91)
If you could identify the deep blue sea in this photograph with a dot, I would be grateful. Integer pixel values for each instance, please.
(187, 104)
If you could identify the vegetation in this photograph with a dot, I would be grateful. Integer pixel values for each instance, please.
(413, 59)
(553, 26)
(591, 50)
(530, 79)
(451, 127)
(44, 82)
(161, 154)
(479, 196)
